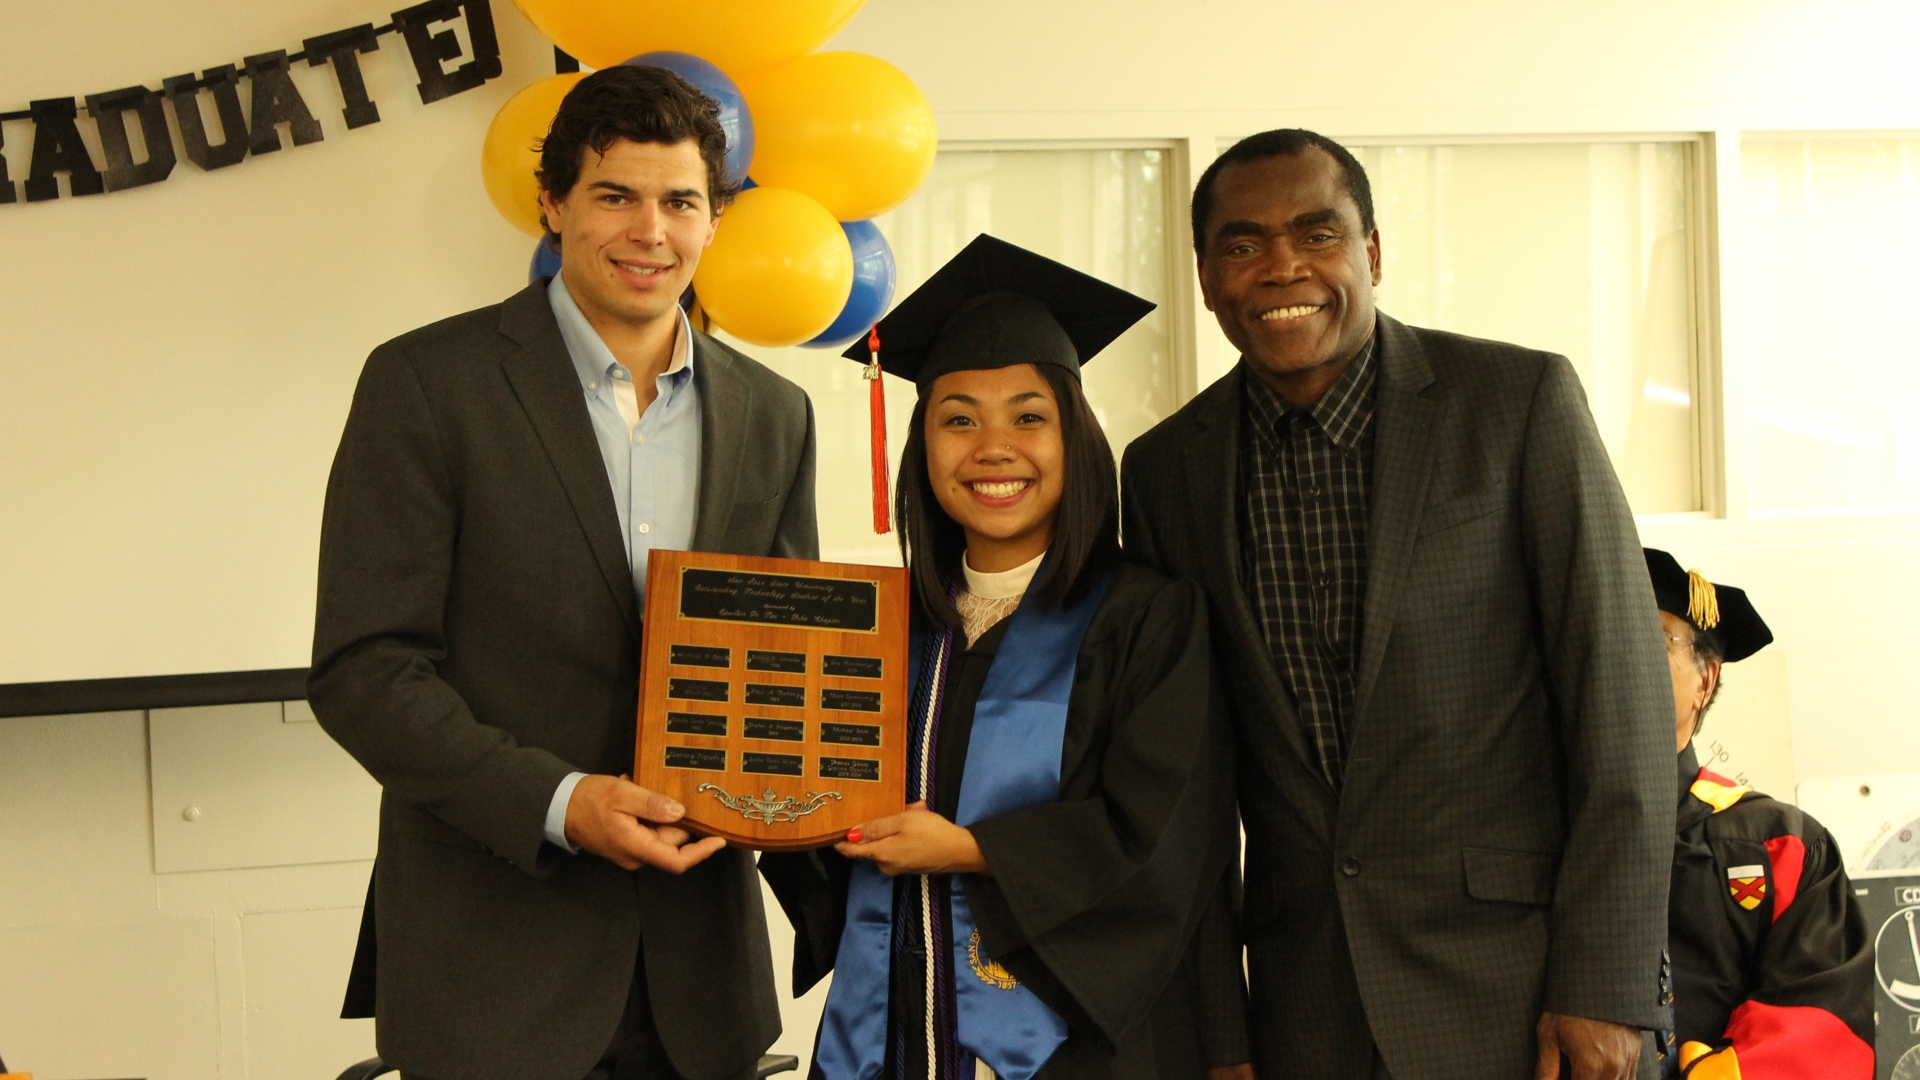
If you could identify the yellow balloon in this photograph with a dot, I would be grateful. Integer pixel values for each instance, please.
(849, 129)
(779, 271)
(508, 158)
(736, 36)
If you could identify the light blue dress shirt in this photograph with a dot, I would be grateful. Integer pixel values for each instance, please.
(653, 466)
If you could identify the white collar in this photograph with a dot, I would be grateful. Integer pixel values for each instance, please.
(1003, 585)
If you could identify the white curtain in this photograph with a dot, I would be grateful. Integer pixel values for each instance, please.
(1831, 350)
(1583, 249)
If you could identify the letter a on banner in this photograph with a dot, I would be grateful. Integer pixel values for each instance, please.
(277, 101)
(57, 149)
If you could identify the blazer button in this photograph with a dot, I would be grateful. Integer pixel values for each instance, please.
(1351, 867)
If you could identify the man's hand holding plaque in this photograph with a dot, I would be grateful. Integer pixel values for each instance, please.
(618, 820)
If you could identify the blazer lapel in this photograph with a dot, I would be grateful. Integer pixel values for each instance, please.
(1402, 463)
(725, 402)
(543, 378)
(1212, 467)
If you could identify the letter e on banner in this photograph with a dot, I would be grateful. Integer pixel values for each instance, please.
(428, 49)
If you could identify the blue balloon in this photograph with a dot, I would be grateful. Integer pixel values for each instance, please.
(873, 282)
(711, 81)
(546, 260)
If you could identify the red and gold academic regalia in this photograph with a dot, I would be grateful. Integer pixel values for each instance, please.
(1772, 963)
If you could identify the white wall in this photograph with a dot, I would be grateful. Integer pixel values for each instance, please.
(177, 361)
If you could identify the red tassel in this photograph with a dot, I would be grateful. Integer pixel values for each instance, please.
(877, 425)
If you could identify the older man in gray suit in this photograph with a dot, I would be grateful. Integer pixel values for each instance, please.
(1453, 714)
(502, 477)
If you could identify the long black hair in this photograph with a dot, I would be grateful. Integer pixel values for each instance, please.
(1086, 525)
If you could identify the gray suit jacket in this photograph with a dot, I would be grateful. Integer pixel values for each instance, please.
(477, 638)
(1501, 844)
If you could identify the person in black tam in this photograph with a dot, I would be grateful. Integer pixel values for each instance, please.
(1038, 909)
(1772, 965)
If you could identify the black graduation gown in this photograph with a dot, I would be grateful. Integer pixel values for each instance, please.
(1769, 946)
(1095, 899)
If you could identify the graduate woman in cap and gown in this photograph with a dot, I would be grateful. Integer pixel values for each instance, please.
(1772, 965)
(1033, 912)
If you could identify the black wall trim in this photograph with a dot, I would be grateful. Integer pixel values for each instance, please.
(152, 692)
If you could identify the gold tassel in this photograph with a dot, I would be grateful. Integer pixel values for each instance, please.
(1703, 604)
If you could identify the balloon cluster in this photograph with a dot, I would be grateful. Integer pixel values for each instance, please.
(822, 142)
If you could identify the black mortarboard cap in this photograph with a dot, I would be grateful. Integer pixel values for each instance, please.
(994, 305)
(1721, 610)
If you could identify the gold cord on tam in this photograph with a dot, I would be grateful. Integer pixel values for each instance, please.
(1703, 603)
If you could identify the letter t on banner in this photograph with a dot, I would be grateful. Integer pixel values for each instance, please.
(342, 48)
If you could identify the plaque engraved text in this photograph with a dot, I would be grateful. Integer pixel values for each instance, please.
(696, 757)
(759, 727)
(700, 656)
(849, 734)
(771, 764)
(850, 700)
(851, 667)
(693, 723)
(762, 660)
(841, 768)
(697, 689)
(789, 697)
(779, 599)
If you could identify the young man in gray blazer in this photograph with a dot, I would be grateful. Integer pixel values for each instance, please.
(501, 479)
(1455, 725)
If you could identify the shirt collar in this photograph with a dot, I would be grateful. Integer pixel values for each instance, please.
(1343, 412)
(592, 360)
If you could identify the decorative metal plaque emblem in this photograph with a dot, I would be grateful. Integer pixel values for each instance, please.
(769, 807)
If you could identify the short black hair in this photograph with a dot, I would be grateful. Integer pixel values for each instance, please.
(1086, 528)
(1292, 141)
(640, 104)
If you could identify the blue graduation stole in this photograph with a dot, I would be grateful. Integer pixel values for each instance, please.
(1013, 761)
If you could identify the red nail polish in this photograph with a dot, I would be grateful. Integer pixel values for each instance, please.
(853, 836)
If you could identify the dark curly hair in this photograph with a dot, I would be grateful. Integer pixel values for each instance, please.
(641, 104)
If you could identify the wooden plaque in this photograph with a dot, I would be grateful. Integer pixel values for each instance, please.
(773, 695)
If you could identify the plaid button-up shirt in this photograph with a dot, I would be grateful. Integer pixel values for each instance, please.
(1306, 477)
